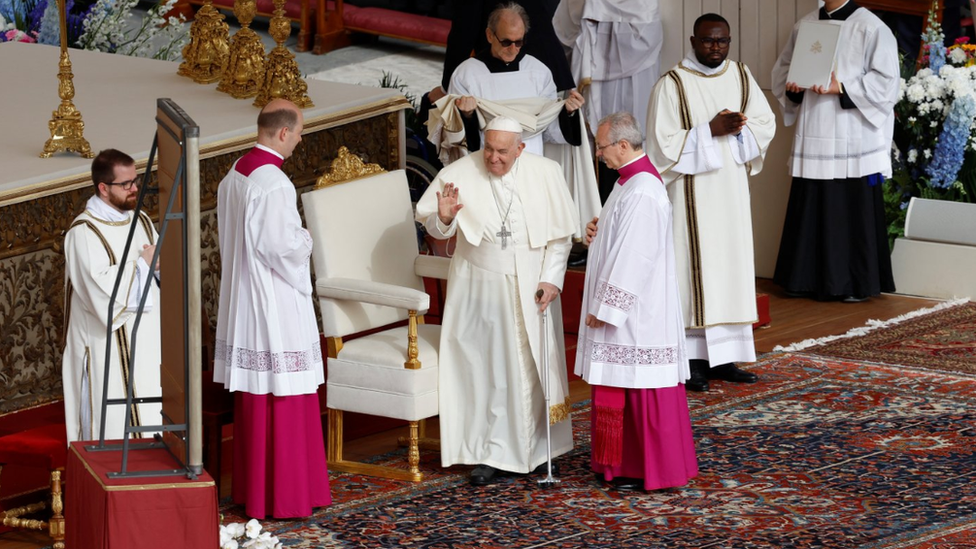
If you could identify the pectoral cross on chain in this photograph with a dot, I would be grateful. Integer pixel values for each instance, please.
(504, 233)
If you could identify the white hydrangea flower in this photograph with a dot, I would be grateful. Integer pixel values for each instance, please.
(912, 120)
(957, 55)
(916, 92)
(912, 156)
(927, 153)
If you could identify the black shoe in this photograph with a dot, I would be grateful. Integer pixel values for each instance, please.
(791, 293)
(698, 381)
(853, 299)
(627, 483)
(544, 469)
(731, 372)
(483, 475)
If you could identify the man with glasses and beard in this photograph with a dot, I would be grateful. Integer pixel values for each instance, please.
(708, 128)
(93, 249)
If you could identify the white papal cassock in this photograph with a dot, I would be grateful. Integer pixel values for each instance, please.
(492, 407)
(708, 182)
(93, 249)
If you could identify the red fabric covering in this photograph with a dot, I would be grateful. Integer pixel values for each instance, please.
(397, 24)
(39, 447)
(148, 513)
(279, 456)
(657, 443)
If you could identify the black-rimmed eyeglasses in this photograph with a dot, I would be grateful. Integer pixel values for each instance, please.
(126, 185)
(710, 42)
(600, 149)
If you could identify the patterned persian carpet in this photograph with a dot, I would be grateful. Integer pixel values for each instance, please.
(943, 340)
(821, 453)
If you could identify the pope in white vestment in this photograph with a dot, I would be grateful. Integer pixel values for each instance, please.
(709, 126)
(514, 219)
(93, 249)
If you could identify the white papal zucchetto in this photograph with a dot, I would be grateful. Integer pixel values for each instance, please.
(504, 124)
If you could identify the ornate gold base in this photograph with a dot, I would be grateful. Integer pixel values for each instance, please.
(56, 144)
(55, 526)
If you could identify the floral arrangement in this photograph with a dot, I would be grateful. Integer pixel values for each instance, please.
(934, 154)
(106, 25)
(233, 536)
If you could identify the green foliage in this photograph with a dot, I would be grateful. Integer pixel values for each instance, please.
(412, 121)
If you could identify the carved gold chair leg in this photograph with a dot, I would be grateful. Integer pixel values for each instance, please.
(340, 465)
(54, 526)
(425, 442)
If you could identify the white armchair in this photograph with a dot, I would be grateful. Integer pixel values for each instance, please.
(368, 277)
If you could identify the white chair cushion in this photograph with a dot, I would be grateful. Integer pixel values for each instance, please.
(368, 375)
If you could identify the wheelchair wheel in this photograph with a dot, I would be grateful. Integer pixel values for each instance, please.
(420, 173)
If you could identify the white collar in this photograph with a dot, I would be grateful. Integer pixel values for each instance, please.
(692, 62)
(268, 149)
(638, 157)
(102, 210)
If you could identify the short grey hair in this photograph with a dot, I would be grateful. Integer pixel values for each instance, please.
(623, 127)
(496, 15)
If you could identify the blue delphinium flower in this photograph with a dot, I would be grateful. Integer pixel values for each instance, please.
(951, 147)
(7, 10)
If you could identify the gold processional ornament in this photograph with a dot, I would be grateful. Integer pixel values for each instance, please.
(346, 166)
(282, 78)
(67, 128)
(205, 57)
(245, 64)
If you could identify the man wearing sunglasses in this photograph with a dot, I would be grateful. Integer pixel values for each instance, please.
(708, 128)
(504, 72)
(93, 249)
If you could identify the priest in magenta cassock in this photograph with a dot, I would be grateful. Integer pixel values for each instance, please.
(514, 219)
(835, 237)
(631, 337)
(708, 128)
(267, 348)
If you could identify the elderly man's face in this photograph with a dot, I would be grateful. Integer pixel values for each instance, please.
(508, 38)
(501, 150)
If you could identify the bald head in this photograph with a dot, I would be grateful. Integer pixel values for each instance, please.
(280, 126)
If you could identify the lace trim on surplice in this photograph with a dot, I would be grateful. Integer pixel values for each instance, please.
(615, 297)
(283, 362)
(628, 354)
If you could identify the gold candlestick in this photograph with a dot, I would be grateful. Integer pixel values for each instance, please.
(282, 78)
(245, 67)
(205, 57)
(67, 128)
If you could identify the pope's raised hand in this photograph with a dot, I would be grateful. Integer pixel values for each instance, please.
(448, 203)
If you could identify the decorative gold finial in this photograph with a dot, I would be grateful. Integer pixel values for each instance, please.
(205, 57)
(282, 78)
(67, 128)
(245, 66)
(346, 166)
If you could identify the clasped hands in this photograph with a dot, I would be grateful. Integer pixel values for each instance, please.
(832, 89)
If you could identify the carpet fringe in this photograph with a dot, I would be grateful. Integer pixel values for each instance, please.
(870, 326)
